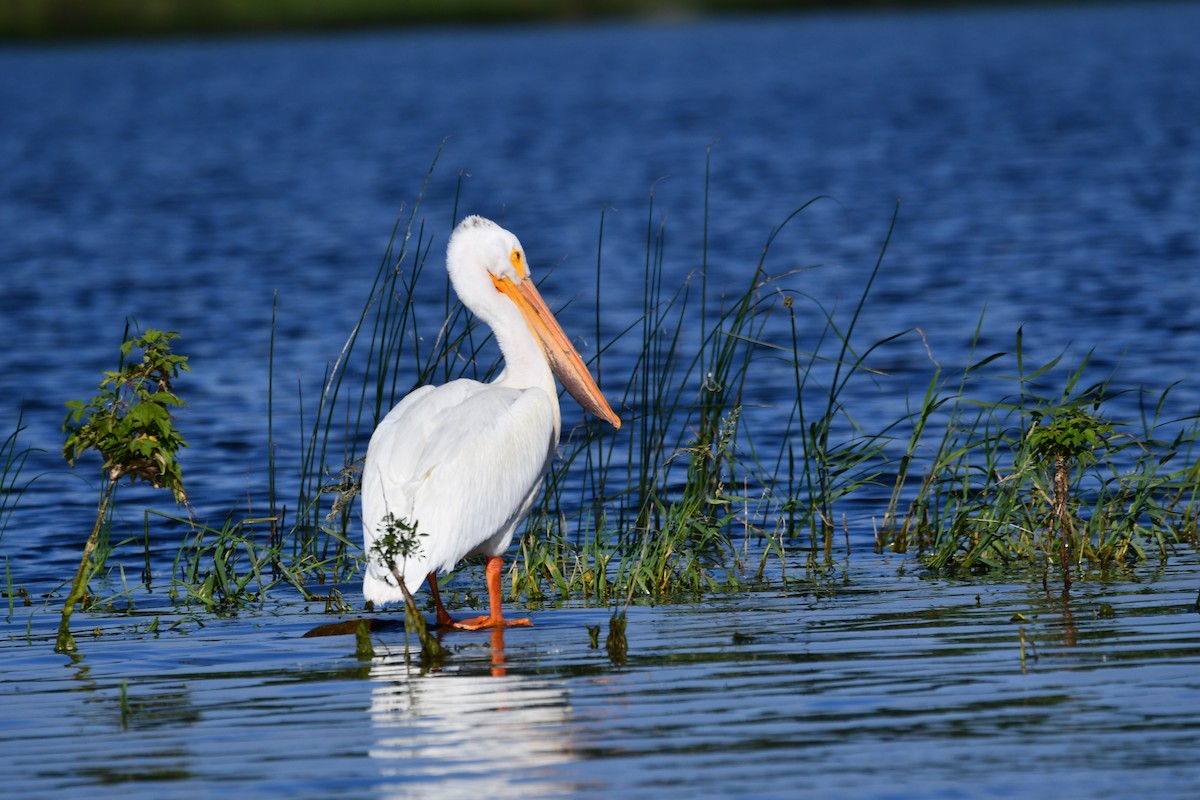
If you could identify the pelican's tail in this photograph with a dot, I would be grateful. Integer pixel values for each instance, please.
(380, 585)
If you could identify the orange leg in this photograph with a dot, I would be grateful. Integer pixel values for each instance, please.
(495, 619)
(443, 617)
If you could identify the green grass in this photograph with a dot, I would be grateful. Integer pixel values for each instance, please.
(1045, 477)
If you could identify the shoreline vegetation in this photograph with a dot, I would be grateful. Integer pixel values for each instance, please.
(1002, 466)
(35, 20)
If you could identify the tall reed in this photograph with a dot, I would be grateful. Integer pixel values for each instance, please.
(12, 462)
(12, 486)
(664, 502)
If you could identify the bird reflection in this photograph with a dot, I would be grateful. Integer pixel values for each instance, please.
(469, 730)
(498, 670)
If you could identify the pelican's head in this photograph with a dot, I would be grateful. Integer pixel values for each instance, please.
(487, 264)
(480, 245)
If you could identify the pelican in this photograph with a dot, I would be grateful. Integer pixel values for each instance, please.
(461, 464)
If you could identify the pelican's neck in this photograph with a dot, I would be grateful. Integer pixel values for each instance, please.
(525, 365)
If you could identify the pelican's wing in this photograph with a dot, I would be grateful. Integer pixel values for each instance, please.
(461, 463)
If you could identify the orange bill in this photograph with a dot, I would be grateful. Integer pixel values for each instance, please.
(562, 356)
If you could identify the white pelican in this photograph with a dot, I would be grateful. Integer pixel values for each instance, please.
(463, 463)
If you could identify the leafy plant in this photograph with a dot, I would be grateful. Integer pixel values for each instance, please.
(400, 539)
(129, 423)
(1070, 438)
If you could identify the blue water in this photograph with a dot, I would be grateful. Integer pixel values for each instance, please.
(1046, 163)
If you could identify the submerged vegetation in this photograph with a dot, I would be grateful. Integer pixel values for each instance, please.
(999, 464)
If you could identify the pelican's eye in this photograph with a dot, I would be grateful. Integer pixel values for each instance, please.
(518, 261)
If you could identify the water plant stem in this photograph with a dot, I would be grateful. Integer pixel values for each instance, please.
(65, 642)
(433, 655)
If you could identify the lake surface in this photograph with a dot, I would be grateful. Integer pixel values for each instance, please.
(887, 687)
(1047, 167)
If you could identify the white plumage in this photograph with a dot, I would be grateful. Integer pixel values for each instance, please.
(463, 462)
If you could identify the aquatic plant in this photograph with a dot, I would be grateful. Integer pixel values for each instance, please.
(1069, 437)
(220, 568)
(1034, 477)
(399, 540)
(129, 423)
